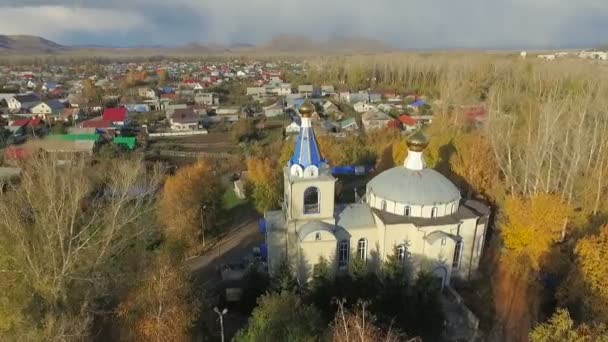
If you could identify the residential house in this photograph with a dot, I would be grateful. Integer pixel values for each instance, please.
(146, 93)
(409, 123)
(348, 124)
(171, 108)
(293, 127)
(362, 107)
(23, 101)
(375, 97)
(50, 86)
(374, 120)
(330, 108)
(185, 120)
(291, 100)
(387, 108)
(207, 99)
(137, 107)
(305, 89)
(25, 126)
(273, 110)
(252, 91)
(117, 116)
(230, 114)
(70, 114)
(327, 90)
(416, 105)
(48, 108)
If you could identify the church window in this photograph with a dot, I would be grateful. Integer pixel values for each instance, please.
(407, 211)
(457, 255)
(311, 201)
(383, 205)
(362, 249)
(434, 212)
(453, 208)
(443, 241)
(343, 252)
(401, 250)
(318, 236)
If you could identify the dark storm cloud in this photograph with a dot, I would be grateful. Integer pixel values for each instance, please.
(403, 23)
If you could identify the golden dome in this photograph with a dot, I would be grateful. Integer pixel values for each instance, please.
(307, 108)
(417, 142)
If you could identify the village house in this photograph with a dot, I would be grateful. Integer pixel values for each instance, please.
(146, 93)
(348, 124)
(374, 120)
(207, 99)
(327, 90)
(252, 91)
(362, 107)
(305, 89)
(273, 110)
(48, 108)
(185, 120)
(23, 101)
(230, 114)
(409, 124)
(117, 116)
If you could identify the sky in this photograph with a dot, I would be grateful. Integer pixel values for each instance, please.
(406, 24)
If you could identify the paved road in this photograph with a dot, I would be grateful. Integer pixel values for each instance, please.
(237, 245)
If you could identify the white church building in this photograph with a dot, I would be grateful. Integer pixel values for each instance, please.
(410, 209)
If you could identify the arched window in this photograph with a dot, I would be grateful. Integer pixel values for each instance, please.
(457, 255)
(401, 252)
(383, 205)
(343, 252)
(311, 201)
(434, 212)
(407, 211)
(453, 208)
(362, 249)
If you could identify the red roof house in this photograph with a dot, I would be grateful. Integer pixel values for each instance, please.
(96, 123)
(408, 120)
(116, 115)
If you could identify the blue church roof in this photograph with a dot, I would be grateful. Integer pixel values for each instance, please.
(307, 150)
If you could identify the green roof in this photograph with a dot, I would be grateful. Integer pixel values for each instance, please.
(129, 142)
(75, 137)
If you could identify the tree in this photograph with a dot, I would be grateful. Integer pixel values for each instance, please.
(244, 130)
(92, 95)
(267, 185)
(163, 76)
(190, 196)
(282, 317)
(475, 163)
(66, 236)
(587, 282)
(163, 307)
(561, 328)
(284, 279)
(531, 226)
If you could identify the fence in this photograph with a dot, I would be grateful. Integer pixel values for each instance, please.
(177, 134)
(184, 154)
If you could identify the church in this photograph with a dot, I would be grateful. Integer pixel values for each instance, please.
(410, 210)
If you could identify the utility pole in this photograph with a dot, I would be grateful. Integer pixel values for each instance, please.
(221, 319)
(203, 208)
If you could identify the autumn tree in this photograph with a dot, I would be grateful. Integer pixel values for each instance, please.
(561, 328)
(92, 95)
(475, 164)
(66, 236)
(532, 225)
(189, 201)
(163, 76)
(265, 178)
(585, 287)
(243, 130)
(163, 307)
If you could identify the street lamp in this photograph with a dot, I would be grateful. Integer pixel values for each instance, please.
(221, 314)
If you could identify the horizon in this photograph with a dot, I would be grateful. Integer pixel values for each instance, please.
(405, 25)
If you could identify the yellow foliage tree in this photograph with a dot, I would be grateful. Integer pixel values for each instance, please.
(193, 192)
(163, 307)
(91, 94)
(592, 253)
(532, 225)
(475, 163)
(267, 184)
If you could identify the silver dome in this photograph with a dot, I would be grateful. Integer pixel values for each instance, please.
(416, 187)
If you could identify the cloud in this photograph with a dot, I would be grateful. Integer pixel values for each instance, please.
(403, 23)
(56, 22)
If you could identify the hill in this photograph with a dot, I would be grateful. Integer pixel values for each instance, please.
(28, 44)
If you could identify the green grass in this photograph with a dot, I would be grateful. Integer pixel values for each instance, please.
(230, 200)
